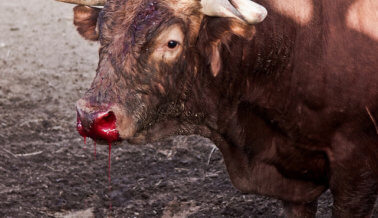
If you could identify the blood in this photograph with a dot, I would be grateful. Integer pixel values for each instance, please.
(103, 127)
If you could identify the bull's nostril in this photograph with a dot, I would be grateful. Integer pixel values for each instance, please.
(106, 118)
(105, 126)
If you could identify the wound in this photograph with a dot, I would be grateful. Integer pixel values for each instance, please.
(145, 18)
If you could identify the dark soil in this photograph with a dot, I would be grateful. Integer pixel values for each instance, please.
(45, 168)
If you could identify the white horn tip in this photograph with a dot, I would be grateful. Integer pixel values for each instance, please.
(245, 10)
(252, 12)
(258, 16)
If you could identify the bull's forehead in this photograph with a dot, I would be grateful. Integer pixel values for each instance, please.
(134, 20)
(120, 18)
(180, 8)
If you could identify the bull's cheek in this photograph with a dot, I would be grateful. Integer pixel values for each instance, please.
(126, 128)
(125, 124)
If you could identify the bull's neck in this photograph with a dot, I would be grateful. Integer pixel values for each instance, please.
(249, 70)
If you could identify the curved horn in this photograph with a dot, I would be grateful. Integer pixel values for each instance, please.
(244, 10)
(85, 2)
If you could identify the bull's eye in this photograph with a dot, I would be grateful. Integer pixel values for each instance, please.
(172, 44)
(168, 45)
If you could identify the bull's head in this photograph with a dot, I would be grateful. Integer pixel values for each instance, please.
(153, 52)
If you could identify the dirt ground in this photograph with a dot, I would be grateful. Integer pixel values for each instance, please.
(45, 168)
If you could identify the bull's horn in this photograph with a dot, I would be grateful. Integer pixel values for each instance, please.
(244, 10)
(85, 2)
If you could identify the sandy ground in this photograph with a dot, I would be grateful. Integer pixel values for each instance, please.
(45, 168)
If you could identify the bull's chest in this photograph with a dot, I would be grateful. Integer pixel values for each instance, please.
(287, 174)
(261, 158)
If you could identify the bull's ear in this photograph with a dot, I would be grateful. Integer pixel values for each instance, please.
(217, 33)
(85, 20)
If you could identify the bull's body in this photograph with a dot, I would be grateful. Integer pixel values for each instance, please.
(292, 108)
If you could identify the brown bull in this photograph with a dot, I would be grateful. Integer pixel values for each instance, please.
(291, 102)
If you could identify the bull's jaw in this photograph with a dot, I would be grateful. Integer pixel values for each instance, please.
(163, 130)
(154, 133)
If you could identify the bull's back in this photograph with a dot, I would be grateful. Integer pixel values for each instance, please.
(335, 54)
(350, 49)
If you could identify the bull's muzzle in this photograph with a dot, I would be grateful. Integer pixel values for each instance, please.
(98, 124)
(107, 123)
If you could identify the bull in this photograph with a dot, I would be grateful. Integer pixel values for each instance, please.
(290, 99)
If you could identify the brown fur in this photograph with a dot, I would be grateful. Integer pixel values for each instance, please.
(287, 105)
